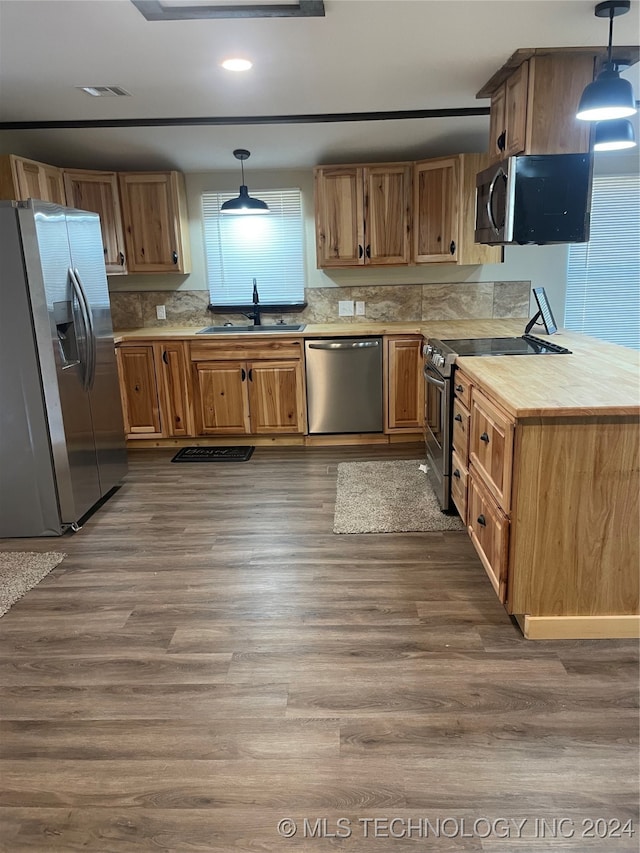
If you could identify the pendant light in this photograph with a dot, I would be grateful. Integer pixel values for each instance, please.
(614, 135)
(609, 96)
(244, 203)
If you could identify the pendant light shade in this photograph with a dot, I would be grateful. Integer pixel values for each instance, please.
(244, 203)
(609, 96)
(614, 135)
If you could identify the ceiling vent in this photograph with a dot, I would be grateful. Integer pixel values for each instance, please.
(105, 91)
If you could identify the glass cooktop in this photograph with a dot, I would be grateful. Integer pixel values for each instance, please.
(525, 345)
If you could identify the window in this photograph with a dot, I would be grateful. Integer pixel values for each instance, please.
(267, 248)
(603, 276)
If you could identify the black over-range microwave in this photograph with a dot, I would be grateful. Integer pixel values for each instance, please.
(535, 198)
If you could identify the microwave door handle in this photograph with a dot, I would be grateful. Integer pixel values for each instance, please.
(492, 186)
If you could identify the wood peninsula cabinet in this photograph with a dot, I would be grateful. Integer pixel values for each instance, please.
(444, 211)
(248, 387)
(534, 99)
(155, 389)
(21, 179)
(363, 214)
(549, 487)
(154, 213)
(404, 385)
(98, 192)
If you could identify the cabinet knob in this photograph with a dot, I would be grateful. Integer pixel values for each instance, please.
(360, 251)
(458, 418)
(251, 374)
(174, 257)
(164, 357)
(121, 257)
(244, 374)
(484, 437)
(459, 388)
(456, 474)
(452, 247)
(368, 251)
(482, 521)
(501, 141)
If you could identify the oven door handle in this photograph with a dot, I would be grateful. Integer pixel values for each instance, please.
(439, 383)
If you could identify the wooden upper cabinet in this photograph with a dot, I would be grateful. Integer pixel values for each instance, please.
(363, 214)
(21, 179)
(444, 211)
(387, 214)
(155, 221)
(533, 109)
(98, 192)
(436, 210)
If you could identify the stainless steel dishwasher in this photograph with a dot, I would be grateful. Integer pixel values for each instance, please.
(344, 385)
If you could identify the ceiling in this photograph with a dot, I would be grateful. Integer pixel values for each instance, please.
(362, 56)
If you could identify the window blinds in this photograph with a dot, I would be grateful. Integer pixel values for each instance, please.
(268, 248)
(603, 276)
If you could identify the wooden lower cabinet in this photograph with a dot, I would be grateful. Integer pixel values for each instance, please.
(491, 446)
(276, 400)
(488, 528)
(155, 390)
(405, 404)
(459, 477)
(222, 398)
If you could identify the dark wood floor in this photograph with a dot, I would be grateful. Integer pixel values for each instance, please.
(210, 659)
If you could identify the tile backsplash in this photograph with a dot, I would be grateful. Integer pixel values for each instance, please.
(461, 300)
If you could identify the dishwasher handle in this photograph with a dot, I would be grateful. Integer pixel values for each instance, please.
(333, 345)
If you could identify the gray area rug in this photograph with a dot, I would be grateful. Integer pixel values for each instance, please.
(388, 497)
(20, 571)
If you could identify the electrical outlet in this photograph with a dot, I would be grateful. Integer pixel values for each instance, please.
(345, 308)
(161, 312)
(360, 309)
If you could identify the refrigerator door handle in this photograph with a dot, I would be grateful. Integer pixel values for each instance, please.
(91, 337)
(86, 333)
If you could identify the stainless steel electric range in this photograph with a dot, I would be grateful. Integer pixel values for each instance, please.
(439, 373)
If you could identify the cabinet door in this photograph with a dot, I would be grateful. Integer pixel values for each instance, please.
(489, 531)
(176, 388)
(516, 96)
(54, 184)
(387, 214)
(405, 384)
(436, 211)
(491, 447)
(339, 216)
(459, 475)
(460, 431)
(153, 222)
(221, 397)
(497, 125)
(98, 191)
(29, 179)
(139, 391)
(275, 396)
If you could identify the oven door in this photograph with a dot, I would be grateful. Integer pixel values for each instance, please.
(438, 434)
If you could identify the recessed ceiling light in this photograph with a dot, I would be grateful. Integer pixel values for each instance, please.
(237, 64)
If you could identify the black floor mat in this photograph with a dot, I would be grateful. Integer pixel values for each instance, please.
(213, 454)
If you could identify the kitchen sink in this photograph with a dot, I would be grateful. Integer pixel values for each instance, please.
(233, 330)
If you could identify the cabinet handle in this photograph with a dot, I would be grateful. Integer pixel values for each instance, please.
(104, 250)
(458, 418)
(121, 257)
(484, 437)
(501, 141)
(360, 251)
(456, 474)
(460, 388)
(174, 256)
(482, 521)
(251, 374)
(368, 251)
(164, 357)
(452, 247)
(244, 375)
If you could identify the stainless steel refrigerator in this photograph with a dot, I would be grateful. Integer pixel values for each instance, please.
(62, 445)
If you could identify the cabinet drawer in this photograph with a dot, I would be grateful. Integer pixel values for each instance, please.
(489, 531)
(243, 349)
(491, 447)
(460, 433)
(462, 388)
(459, 485)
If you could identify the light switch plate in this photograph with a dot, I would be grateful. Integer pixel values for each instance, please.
(345, 308)
(161, 312)
(360, 308)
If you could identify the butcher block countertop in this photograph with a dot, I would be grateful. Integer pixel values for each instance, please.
(596, 379)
